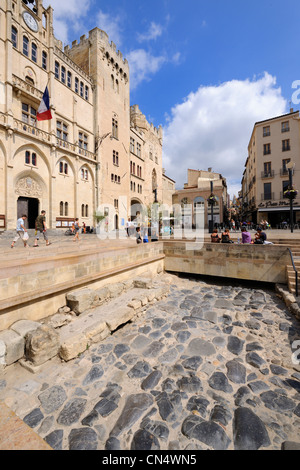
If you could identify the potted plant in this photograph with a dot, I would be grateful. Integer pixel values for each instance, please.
(290, 193)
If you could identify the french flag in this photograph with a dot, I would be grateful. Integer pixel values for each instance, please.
(44, 112)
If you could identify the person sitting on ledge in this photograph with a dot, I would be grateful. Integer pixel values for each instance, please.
(246, 236)
(260, 237)
(226, 236)
(215, 236)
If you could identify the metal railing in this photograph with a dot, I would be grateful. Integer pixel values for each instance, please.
(296, 272)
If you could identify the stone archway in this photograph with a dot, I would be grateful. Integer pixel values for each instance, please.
(31, 197)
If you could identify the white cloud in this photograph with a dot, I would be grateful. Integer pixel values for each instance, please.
(143, 65)
(66, 14)
(111, 25)
(155, 30)
(213, 126)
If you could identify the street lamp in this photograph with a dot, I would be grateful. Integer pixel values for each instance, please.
(290, 166)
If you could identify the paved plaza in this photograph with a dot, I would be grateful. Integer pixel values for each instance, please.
(208, 367)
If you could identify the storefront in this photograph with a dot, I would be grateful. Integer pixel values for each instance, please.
(276, 216)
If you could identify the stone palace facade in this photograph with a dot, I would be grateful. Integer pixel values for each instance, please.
(96, 153)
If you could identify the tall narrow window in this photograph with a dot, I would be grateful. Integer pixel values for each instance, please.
(34, 52)
(57, 68)
(115, 128)
(69, 81)
(25, 46)
(76, 85)
(44, 60)
(81, 89)
(61, 208)
(66, 209)
(86, 93)
(33, 159)
(14, 36)
(63, 75)
(27, 158)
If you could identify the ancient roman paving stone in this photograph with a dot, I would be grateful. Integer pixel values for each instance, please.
(83, 439)
(236, 372)
(72, 412)
(208, 432)
(235, 345)
(249, 431)
(34, 418)
(94, 374)
(55, 439)
(52, 399)
(218, 381)
(144, 440)
(208, 367)
(134, 408)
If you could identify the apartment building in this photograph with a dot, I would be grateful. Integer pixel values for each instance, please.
(84, 158)
(274, 144)
(196, 192)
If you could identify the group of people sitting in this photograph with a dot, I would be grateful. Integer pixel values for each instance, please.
(259, 238)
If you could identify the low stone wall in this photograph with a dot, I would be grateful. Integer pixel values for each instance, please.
(266, 263)
(36, 289)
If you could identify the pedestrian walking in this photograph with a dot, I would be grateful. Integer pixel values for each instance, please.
(41, 227)
(76, 228)
(21, 232)
(138, 236)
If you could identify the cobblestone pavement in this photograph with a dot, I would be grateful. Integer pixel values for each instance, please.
(208, 367)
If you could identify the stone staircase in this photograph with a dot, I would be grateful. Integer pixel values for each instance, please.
(294, 245)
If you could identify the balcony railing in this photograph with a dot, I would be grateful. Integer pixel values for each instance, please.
(268, 174)
(285, 172)
(267, 197)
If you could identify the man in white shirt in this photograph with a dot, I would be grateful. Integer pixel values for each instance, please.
(21, 230)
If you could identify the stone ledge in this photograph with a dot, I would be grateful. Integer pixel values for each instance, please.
(34, 343)
(16, 435)
(289, 299)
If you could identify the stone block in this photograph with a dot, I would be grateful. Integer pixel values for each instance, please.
(115, 290)
(135, 304)
(41, 345)
(143, 283)
(2, 353)
(80, 300)
(58, 320)
(97, 332)
(23, 327)
(101, 295)
(151, 296)
(14, 344)
(73, 346)
(120, 317)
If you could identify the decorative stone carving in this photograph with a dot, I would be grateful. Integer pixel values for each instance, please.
(28, 187)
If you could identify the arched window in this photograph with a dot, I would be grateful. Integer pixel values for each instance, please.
(86, 93)
(14, 36)
(76, 85)
(61, 167)
(33, 159)
(25, 46)
(61, 208)
(66, 209)
(86, 210)
(34, 52)
(82, 210)
(66, 169)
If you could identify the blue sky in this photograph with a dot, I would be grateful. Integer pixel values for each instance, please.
(206, 71)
